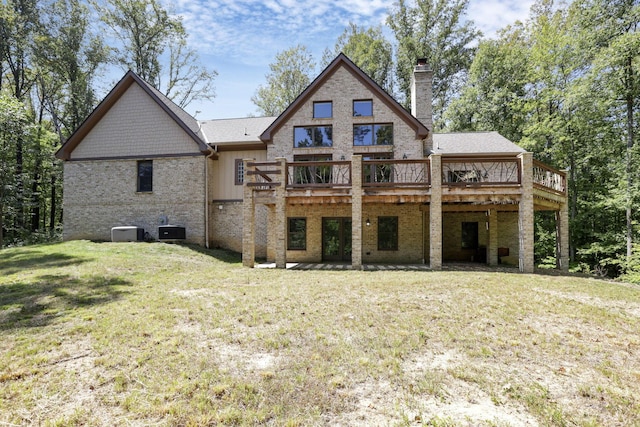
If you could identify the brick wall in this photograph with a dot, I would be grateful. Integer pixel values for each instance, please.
(226, 227)
(410, 231)
(452, 234)
(342, 88)
(99, 195)
(508, 232)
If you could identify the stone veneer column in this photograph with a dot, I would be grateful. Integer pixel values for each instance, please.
(562, 238)
(435, 213)
(248, 220)
(356, 212)
(280, 220)
(525, 214)
(493, 237)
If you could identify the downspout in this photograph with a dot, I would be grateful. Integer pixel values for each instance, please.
(424, 257)
(212, 151)
(206, 196)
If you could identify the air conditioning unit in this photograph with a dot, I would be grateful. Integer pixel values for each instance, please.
(171, 232)
(127, 233)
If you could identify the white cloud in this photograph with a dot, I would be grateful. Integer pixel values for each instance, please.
(246, 34)
(493, 15)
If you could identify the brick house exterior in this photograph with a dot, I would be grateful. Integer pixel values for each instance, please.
(344, 174)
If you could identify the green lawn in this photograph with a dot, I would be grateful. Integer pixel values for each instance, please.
(156, 334)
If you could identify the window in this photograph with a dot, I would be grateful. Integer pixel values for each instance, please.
(313, 136)
(239, 172)
(297, 234)
(145, 176)
(469, 235)
(387, 233)
(377, 172)
(363, 108)
(322, 110)
(373, 134)
(314, 174)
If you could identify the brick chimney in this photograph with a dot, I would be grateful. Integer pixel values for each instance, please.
(422, 93)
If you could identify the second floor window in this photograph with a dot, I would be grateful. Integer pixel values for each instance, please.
(373, 134)
(312, 136)
(363, 108)
(239, 172)
(322, 110)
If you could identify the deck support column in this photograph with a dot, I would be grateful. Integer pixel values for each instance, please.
(248, 220)
(562, 238)
(356, 212)
(435, 213)
(526, 214)
(280, 220)
(493, 236)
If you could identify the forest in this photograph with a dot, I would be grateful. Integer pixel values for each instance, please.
(564, 84)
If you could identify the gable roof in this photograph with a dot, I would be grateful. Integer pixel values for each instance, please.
(181, 117)
(473, 143)
(342, 61)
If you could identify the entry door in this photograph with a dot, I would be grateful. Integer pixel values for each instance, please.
(336, 239)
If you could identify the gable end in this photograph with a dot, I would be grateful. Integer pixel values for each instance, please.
(130, 78)
(342, 60)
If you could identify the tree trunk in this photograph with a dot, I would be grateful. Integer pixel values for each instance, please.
(54, 203)
(630, 170)
(19, 218)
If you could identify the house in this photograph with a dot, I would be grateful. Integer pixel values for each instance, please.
(344, 174)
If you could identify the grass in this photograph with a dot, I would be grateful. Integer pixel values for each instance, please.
(157, 334)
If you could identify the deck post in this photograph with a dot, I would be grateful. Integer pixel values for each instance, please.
(435, 213)
(280, 220)
(356, 212)
(562, 238)
(526, 215)
(493, 236)
(248, 220)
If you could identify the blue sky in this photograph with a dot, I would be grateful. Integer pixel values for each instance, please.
(240, 38)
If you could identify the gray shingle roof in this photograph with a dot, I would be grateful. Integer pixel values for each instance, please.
(230, 131)
(473, 143)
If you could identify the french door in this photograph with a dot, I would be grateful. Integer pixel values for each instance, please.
(336, 239)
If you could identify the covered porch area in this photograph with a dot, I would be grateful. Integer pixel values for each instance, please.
(426, 212)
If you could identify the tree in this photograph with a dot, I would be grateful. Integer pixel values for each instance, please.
(68, 57)
(290, 75)
(18, 23)
(435, 30)
(612, 27)
(369, 50)
(494, 97)
(149, 35)
(14, 124)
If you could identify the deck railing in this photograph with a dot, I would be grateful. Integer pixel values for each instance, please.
(480, 171)
(396, 173)
(319, 174)
(264, 175)
(389, 173)
(548, 178)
